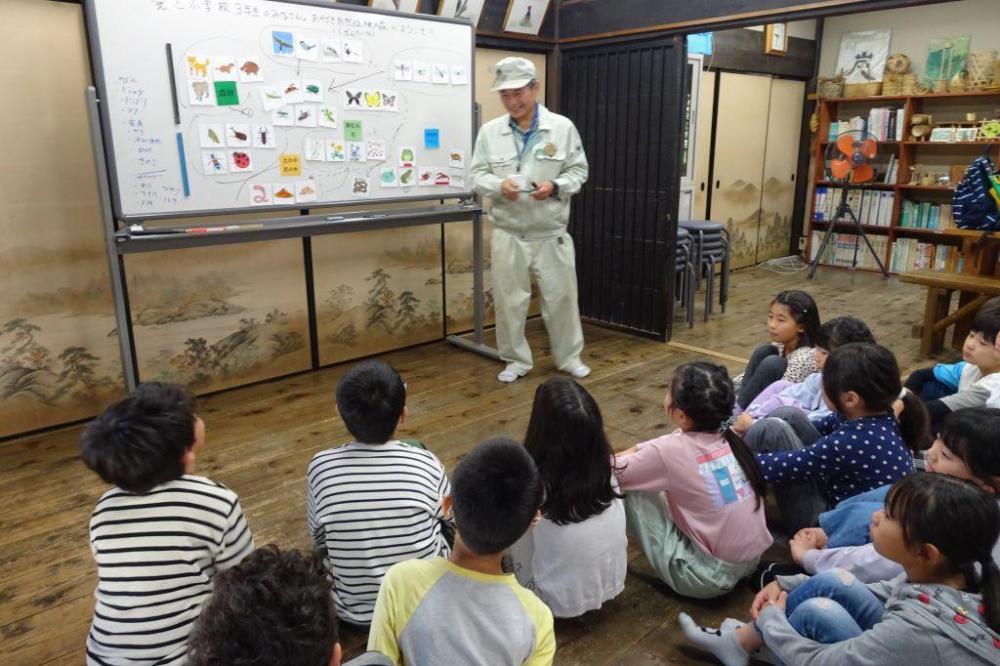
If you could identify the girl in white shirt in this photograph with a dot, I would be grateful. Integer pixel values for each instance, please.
(575, 558)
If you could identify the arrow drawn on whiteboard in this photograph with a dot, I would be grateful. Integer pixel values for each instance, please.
(360, 78)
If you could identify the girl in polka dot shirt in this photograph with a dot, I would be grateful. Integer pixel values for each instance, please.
(862, 445)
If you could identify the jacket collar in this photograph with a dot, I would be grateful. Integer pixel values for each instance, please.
(544, 120)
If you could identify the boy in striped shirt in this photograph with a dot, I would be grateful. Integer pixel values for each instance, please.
(161, 534)
(375, 501)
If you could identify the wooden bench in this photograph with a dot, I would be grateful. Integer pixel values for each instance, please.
(940, 286)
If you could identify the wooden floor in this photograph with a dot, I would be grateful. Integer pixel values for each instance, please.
(261, 438)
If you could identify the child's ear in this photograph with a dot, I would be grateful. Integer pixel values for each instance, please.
(402, 417)
(851, 400)
(930, 555)
(538, 517)
(446, 506)
(335, 657)
(188, 458)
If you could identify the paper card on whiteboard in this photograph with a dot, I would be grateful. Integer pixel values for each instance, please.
(305, 115)
(327, 116)
(198, 67)
(432, 138)
(312, 90)
(353, 51)
(353, 99)
(407, 176)
(201, 93)
(458, 179)
(353, 130)
(440, 73)
(271, 97)
(282, 117)
(260, 194)
(456, 158)
(214, 162)
(355, 151)
(305, 191)
(226, 93)
(263, 136)
(224, 68)
(360, 187)
(284, 194)
(212, 135)
(375, 151)
(291, 91)
(390, 100)
(387, 177)
(421, 72)
(282, 43)
(336, 150)
(373, 100)
(290, 164)
(425, 176)
(407, 156)
(250, 71)
(459, 75)
(402, 70)
(332, 50)
(306, 48)
(441, 177)
(240, 161)
(238, 135)
(315, 150)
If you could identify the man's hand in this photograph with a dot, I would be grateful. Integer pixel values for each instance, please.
(543, 191)
(509, 190)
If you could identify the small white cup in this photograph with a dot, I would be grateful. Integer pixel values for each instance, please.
(520, 182)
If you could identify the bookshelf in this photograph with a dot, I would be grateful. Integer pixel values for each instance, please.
(896, 214)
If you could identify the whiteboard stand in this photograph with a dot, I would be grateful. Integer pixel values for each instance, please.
(121, 242)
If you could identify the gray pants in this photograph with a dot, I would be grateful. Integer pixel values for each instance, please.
(789, 429)
(766, 366)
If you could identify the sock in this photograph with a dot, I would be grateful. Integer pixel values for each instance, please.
(763, 653)
(722, 644)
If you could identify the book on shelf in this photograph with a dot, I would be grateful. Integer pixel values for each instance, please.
(872, 207)
(925, 215)
(840, 251)
(911, 254)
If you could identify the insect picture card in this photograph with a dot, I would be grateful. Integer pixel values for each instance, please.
(421, 72)
(201, 93)
(456, 158)
(390, 100)
(402, 70)
(387, 177)
(373, 100)
(272, 97)
(224, 68)
(283, 193)
(315, 150)
(407, 156)
(353, 51)
(250, 71)
(407, 176)
(282, 43)
(212, 135)
(214, 162)
(305, 115)
(355, 151)
(459, 75)
(238, 135)
(312, 90)
(352, 99)
(240, 161)
(360, 185)
(375, 151)
(198, 67)
(283, 116)
(327, 116)
(263, 136)
(291, 91)
(261, 194)
(336, 150)
(307, 48)
(440, 73)
(305, 191)
(332, 50)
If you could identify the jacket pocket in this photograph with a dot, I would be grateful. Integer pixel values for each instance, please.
(502, 164)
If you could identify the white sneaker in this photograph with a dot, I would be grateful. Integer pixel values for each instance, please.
(580, 371)
(508, 376)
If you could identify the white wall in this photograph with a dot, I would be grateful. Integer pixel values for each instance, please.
(913, 27)
(800, 29)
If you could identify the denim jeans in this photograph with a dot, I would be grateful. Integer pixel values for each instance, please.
(833, 606)
(847, 523)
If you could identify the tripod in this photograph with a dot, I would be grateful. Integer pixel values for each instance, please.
(844, 210)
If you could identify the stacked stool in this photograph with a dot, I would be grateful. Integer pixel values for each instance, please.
(710, 243)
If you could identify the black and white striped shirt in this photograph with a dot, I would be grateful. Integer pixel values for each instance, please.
(371, 506)
(156, 553)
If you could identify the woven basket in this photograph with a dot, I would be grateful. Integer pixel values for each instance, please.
(830, 88)
(981, 66)
(863, 89)
(892, 83)
(908, 83)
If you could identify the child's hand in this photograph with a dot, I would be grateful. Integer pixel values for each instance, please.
(781, 602)
(742, 423)
(897, 407)
(810, 538)
(767, 595)
(815, 535)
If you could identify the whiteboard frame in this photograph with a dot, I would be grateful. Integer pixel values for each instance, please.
(97, 72)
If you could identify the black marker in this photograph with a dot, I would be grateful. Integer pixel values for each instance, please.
(173, 84)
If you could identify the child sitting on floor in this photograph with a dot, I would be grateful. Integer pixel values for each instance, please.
(694, 498)
(859, 447)
(162, 534)
(792, 323)
(464, 609)
(375, 501)
(944, 608)
(938, 381)
(575, 558)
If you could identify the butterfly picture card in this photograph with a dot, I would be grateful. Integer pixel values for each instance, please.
(353, 99)
(390, 100)
(373, 100)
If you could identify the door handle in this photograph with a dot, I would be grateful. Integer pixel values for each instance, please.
(702, 186)
(793, 177)
(717, 183)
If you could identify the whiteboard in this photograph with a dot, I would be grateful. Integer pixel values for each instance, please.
(279, 105)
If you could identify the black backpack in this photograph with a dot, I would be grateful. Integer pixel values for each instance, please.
(973, 206)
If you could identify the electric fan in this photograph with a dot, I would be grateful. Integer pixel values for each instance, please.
(849, 165)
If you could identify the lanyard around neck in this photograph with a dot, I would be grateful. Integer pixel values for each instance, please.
(528, 136)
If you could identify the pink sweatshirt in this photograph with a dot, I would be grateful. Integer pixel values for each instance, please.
(710, 499)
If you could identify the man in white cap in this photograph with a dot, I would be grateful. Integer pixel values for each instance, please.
(530, 161)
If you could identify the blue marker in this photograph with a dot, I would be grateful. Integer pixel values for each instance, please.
(184, 169)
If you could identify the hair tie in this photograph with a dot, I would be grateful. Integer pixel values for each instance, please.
(728, 423)
(902, 394)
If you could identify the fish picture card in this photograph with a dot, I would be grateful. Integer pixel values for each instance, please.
(224, 68)
(425, 176)
(353, 51)
(201, 93)
(352, 99)
(336, 150)
(440, 73)
(360, 187)
(375, 151)
(432, 138)
(238, 135)
(250, 70)
(407, 176)
(315, 150)
(282, 43)
(282, 193)
(353, 130)
(307, 48)
(305, 115)
(355, 151)
(272, 97)
(214, 162)
(407, 156)
(289, 164)
(198, 67)
(263, 136)
(402, 70)
(456, 158)
(282, 116)
(390, 100)
(332, 50)
(327, 116)
(211, 135)
(459, 75)
(239, 161)
(305, 191)
(226, 93)
(421, 72)
(387, 177)
(260, 194)
(291, 91)
(312, 90)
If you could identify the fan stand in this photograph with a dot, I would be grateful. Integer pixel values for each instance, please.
(844, 210)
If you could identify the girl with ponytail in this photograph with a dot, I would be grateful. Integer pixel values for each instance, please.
(694, 497)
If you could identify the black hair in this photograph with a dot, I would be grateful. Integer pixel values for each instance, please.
(567, 441)
(139, 442)
(958, 518)
(804, 312)
(840, 331)
(871, 371)
(987, 320)
(973, 434)
(370, 399)
(495, 493)
(704, 392)
(274, 607)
